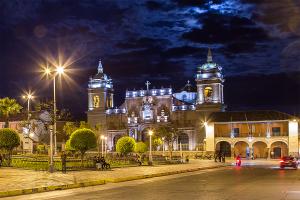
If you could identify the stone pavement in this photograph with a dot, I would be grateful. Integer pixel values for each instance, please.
(16, 179)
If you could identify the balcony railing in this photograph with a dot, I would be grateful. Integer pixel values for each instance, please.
(239, 135)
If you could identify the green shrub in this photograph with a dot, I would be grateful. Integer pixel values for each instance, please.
(68, 147)
(126, 145)
(42, 149)
(82, 140)
(9, 139)
(140, 147)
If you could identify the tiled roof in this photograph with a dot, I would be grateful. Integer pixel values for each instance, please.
(256, 115)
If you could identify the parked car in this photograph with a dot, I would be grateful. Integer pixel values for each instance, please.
(289, 161)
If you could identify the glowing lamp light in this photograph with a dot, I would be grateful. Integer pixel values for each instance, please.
(60, 70)
(102, 137)
(205, 123)
(47, 71)
(150, 132)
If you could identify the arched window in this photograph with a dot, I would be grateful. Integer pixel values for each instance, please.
(96, 101)
(208, 94)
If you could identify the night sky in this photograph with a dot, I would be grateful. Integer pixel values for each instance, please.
(257, 42)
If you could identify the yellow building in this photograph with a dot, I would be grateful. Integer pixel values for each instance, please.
(257, 134)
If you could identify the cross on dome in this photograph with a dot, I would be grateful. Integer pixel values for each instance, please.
(147, 84)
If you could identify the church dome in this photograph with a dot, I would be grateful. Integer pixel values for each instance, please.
(209, 70)
(100, 80)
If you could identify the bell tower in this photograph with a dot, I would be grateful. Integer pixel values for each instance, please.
(100, 97)
(210, 81)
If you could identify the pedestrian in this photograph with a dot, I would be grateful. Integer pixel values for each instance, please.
(64, 162)
(1, 160)
(220, 156)
(216, 156)
(102, 161)
(223, 157)
(187, 159)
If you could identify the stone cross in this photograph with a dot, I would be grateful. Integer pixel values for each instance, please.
(147, 84)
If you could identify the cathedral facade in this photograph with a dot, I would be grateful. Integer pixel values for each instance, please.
(149, 107)
(197, 111)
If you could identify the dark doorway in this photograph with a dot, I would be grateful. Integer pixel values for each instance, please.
(224, 147)
(277, 152)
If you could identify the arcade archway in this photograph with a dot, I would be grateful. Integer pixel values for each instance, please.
(279, 149)
(241, 148)
(224, 147)
(260, 150)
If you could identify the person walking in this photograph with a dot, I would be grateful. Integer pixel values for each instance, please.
(64, 162)
(216, 155)
(220, 156)
(223, 157)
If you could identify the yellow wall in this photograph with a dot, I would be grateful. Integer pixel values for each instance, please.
(259, 130)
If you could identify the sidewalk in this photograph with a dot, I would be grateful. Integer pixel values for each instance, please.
(19, 181)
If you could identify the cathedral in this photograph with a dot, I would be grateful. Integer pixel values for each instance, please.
(198, 112)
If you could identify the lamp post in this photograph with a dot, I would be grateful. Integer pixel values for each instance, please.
(163, 147)
(28, 97)
(105, 145)
(59, 71)
(102, 138)
(150, 152)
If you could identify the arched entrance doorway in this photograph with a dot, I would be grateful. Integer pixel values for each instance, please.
(115, 140)
(145, 135)
(241, 148)
(279, 149)
(260, 150)
(183, 138)
(224, 147)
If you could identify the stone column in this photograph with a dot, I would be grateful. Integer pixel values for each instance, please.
(232, 151)
(269, 152)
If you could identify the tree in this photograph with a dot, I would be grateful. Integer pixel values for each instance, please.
(140, 148)
(69, 128)
(156, 143)
(69, 148)
(83, 140)
(126, 145)
(61, 115)
(9, 139)
(9, 107)
(84, 124)
(169, 133)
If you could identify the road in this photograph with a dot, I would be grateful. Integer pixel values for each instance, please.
(230, 183)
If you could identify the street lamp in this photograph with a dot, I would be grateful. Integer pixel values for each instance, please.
(105, 144)
(58, 71)
(163, 146)
(28, 97)
(150, 152)
(102, 138)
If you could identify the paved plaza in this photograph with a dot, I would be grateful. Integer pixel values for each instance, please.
(12, 179)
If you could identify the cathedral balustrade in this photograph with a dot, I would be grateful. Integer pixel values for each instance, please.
(116, 111)
(184, 107)
(151, 92)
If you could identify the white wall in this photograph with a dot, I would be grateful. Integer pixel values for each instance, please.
(293, 138)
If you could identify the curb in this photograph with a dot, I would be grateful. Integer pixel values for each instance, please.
(97, 182)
